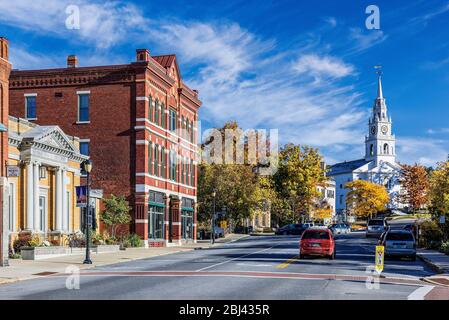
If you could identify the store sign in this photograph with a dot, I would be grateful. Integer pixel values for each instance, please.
(12, 171)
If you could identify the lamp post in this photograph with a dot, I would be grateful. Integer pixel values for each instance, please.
(212, 235)
(87, 167)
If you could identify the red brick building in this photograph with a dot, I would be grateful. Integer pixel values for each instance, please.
(5, 69)
(137, 122)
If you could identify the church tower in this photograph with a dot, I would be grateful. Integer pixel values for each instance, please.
(380, 142)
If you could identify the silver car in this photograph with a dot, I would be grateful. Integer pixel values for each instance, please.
(375, 227)
(399, 243)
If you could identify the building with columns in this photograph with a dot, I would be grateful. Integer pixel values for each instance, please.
(43, 170)
(138, 124)
(379, 164)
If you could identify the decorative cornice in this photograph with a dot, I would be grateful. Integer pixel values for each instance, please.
(69, 77)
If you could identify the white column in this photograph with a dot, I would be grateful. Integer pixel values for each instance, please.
(30, 201)
(58, 213)
(65, 219)
(37, 213)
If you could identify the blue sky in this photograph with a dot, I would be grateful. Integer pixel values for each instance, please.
(303, 67)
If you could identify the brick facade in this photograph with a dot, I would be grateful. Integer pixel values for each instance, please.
(5, 69)
(121, 132)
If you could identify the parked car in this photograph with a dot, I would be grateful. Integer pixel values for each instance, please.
(291, 229)
(399, 243)
(375, 227)
(339, 228)
(317, 241)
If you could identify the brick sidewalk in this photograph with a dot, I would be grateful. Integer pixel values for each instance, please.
(29, 269)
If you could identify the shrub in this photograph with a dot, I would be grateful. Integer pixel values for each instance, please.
(20, 242)
(13, 255)
(134, 240)
(445, 247)
(431, 235)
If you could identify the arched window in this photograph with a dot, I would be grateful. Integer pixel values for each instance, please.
(150, 108)
(386, 148)
(371, 150)
(183, 127)
(163, 115)
(156, 112)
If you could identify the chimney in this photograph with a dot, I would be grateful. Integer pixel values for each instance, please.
(72, 61)
(4, 48)
(142, 55)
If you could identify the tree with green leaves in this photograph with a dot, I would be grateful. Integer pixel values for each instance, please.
(116, 213)
(299, 174)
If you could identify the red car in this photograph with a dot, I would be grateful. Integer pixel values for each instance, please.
(317, 241)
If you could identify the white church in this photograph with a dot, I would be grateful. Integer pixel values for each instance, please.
(379, 164)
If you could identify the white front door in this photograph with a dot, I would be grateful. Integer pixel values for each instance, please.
(43, 212)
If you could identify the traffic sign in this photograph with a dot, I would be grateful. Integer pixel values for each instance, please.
(380, 253)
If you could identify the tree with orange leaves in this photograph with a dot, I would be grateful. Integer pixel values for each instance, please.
(415, 183)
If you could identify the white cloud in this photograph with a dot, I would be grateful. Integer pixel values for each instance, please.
(242, 77)
(421, 150)
(366, 39)
(438, 131)
(101, 23)
(322, 66)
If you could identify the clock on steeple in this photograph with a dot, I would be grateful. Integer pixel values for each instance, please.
(380, 143)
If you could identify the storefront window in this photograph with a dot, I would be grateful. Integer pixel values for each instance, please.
(156, 210)
(187, 210)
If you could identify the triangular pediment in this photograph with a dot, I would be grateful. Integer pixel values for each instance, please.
(51, 136)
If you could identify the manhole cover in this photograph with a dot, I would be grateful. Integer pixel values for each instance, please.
(45, 273)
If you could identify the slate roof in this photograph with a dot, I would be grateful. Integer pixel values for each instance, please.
(164, 60)
(346, 167)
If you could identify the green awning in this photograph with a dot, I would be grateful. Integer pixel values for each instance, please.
(156, 204)
(187, 209)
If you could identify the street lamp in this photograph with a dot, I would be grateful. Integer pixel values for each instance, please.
(212, 235)
(87, 167)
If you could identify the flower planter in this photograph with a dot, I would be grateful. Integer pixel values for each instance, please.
(36, 253)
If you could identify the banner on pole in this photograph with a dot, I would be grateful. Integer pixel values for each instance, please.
(380, 253)
(81, 196)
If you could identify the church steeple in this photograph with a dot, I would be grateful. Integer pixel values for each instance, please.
(379, 87)
(380, 142)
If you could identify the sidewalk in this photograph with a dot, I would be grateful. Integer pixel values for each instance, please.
(437, 261)
(29, 269)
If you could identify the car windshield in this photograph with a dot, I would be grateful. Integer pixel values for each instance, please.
(376, 223)
(402, 236)
(316, 235)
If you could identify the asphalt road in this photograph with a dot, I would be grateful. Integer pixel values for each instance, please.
(252, 268)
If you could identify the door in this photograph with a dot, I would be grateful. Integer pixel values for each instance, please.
(43, 212)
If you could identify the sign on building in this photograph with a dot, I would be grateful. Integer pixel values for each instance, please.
(12, 171)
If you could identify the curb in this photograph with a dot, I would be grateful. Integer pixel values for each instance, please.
(262, 234)
(432, 265)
